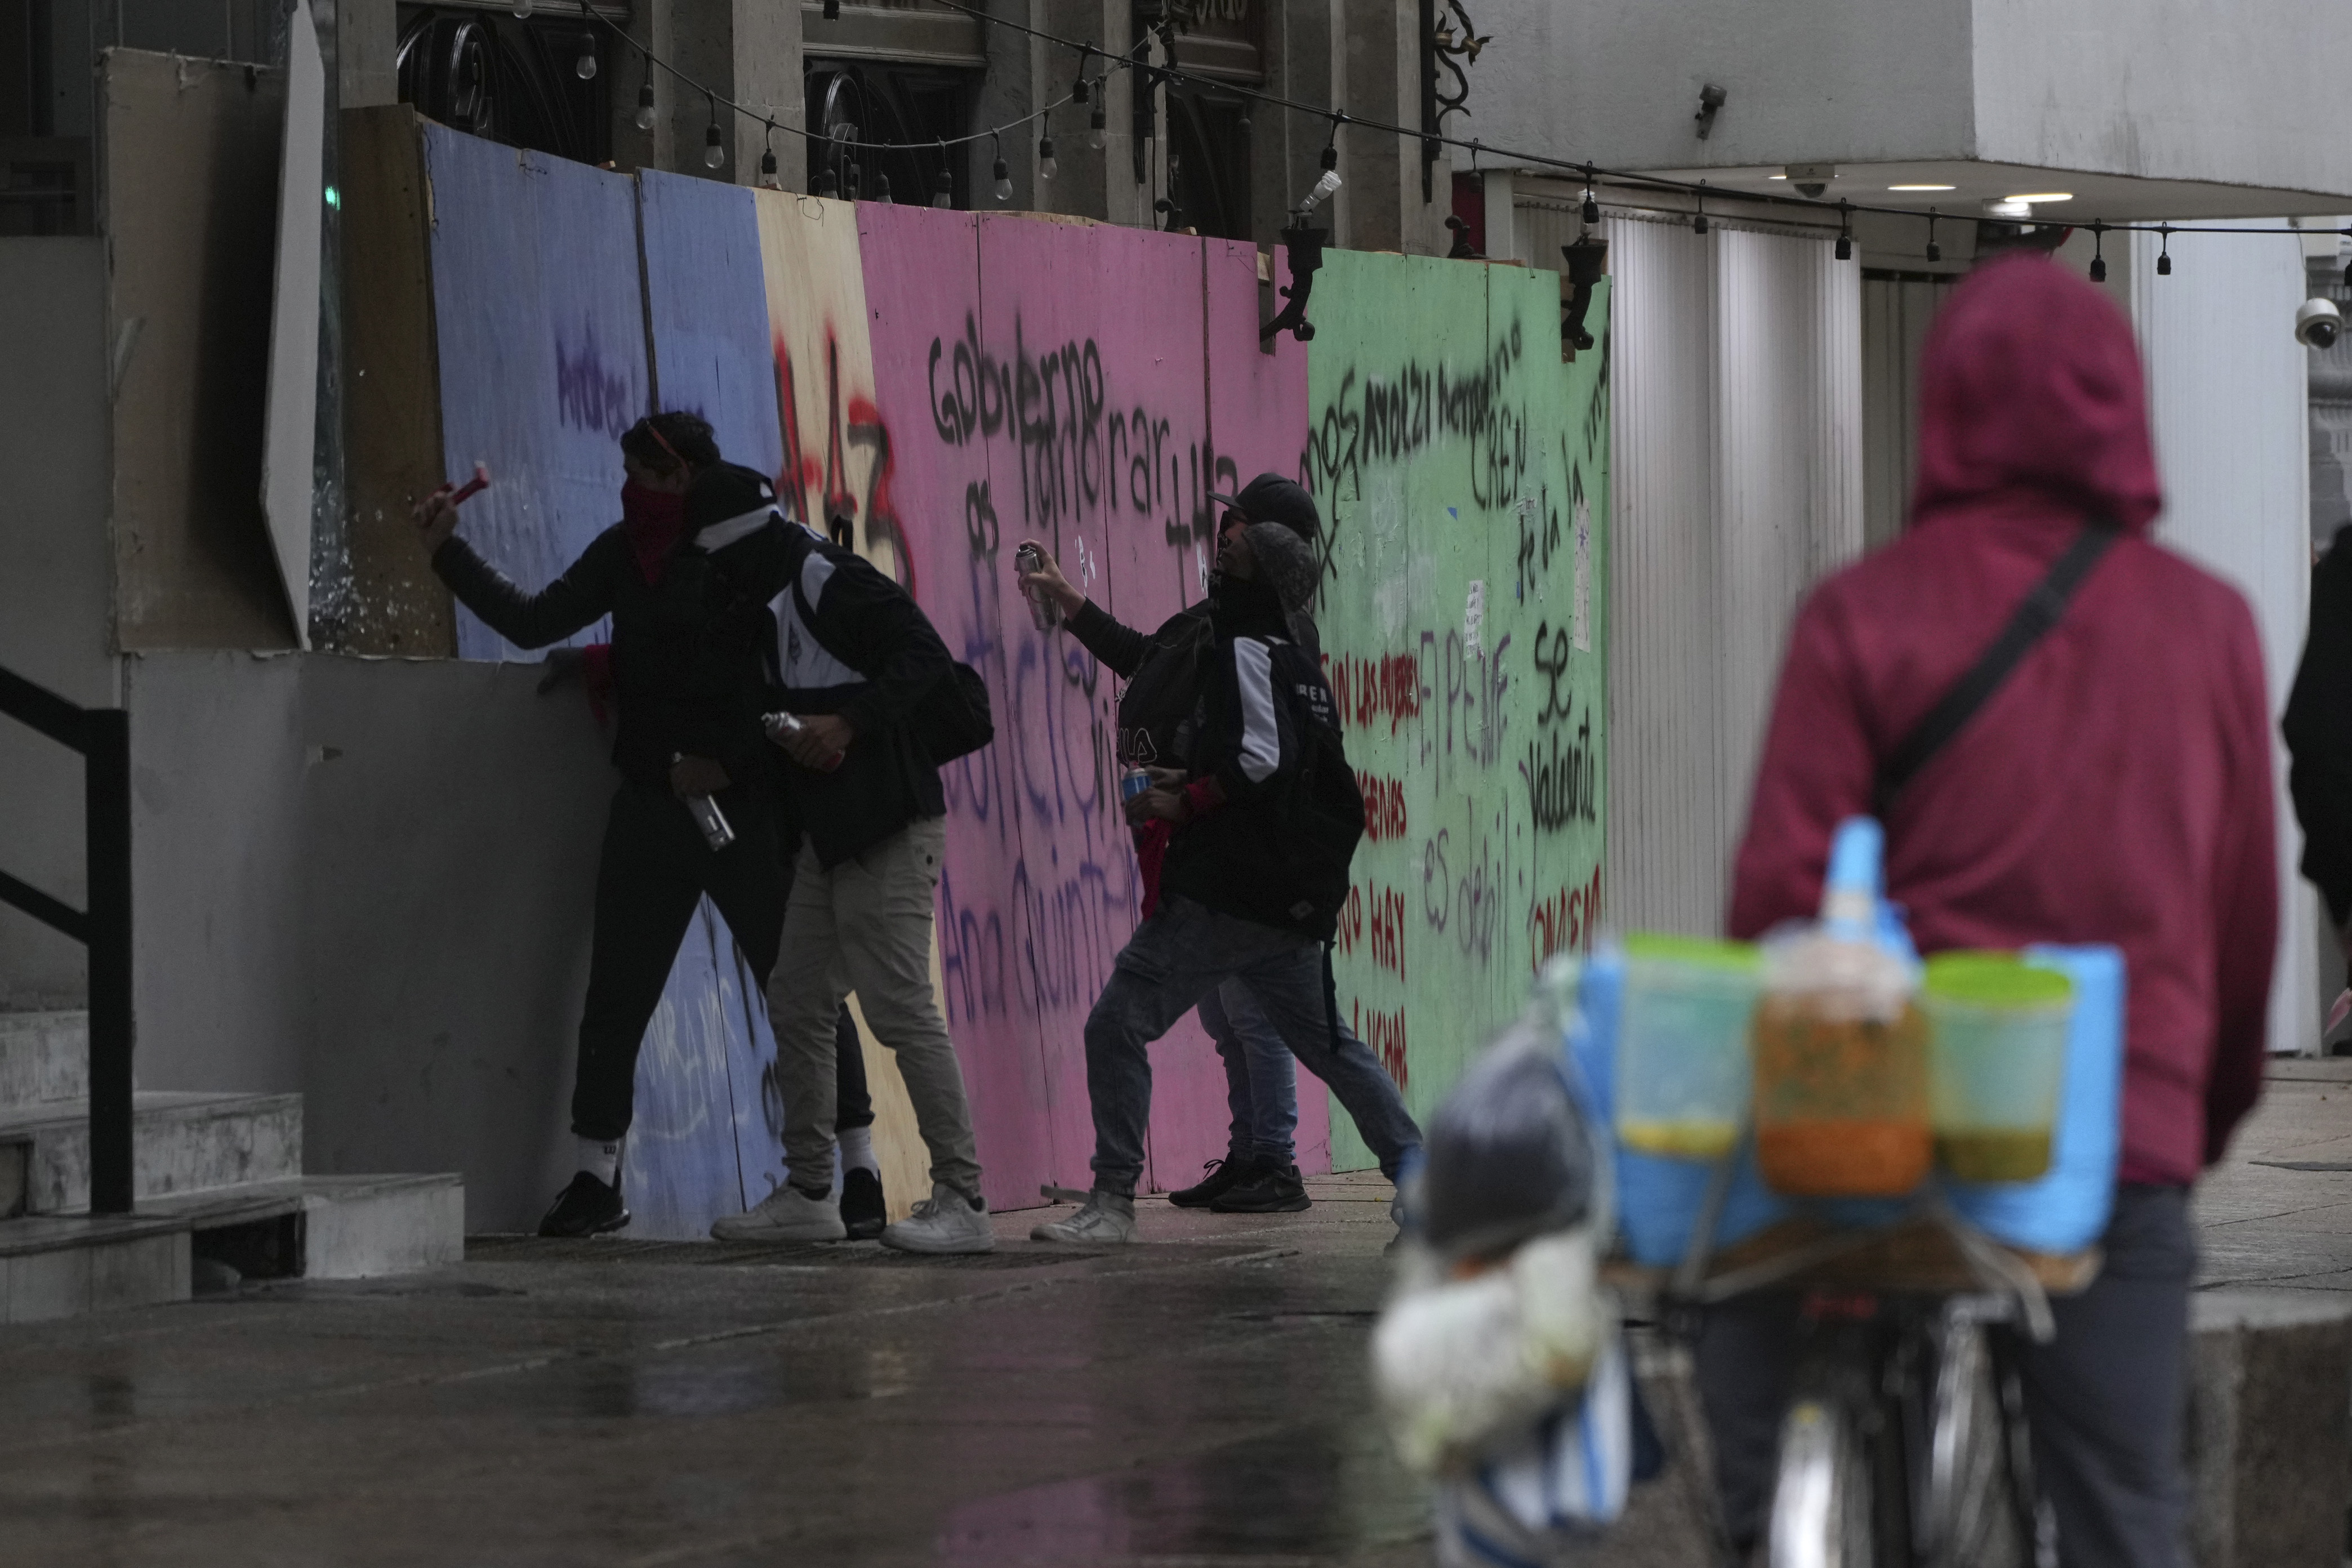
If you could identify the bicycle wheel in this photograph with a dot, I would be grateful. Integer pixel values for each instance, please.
(1966, 1514)
(1822, 1492)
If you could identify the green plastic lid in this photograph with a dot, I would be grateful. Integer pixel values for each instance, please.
(1739, 957)
(1996, 980)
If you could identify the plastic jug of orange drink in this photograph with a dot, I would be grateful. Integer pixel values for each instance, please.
(1841, 1068)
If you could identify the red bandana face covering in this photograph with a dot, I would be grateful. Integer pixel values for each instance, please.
(653, 520)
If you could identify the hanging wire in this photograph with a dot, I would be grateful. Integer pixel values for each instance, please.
(2164, 256)
(2098, 253)
(1592, 174)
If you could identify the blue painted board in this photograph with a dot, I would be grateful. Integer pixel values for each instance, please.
(540, 321)
(706, 300)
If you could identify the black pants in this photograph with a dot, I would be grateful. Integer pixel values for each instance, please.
(2104, 1400)
(653, 869)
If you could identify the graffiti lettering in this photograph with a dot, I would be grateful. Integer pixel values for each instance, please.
(1384, 1032)
(588, 395)
(1368, 689)
(1563, 787)
(1384, 815)
(1565, 921)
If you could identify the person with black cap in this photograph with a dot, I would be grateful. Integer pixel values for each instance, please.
(680, 577)
(1265, 816)
(1164, 672)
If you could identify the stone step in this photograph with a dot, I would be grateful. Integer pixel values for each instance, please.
(184, 1143)
(333, 1227)
(44, 1058)
(350, 1227)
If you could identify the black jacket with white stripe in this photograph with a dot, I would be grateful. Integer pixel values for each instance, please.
(848, 640)
(1278, 850)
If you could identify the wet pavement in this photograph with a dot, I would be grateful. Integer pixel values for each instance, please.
(1196, 1401)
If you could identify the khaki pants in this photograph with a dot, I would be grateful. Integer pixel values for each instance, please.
(866, 926)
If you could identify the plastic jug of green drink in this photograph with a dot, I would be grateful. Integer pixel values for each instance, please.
(1998, 1028)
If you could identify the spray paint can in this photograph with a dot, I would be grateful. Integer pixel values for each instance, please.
(716, 832)
(778, 726)
(1043, 611)
(1133, 783)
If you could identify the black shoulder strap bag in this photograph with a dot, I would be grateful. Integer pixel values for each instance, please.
(2041, 609)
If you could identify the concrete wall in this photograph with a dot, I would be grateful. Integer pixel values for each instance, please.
(57, 595)
(2227, 391)
(368, 880)
(2236, 91)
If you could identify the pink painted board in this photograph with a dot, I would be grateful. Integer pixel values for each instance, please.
(921, 275)
(1100, 328)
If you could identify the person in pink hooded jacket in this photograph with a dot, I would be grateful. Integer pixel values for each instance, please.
(2114, 788)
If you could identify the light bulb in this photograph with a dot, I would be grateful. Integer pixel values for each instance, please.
(1096, 130)
(521, 9)
(881, 187)
(1004, 191)
(1323, 191)
(646, 107)
(713, 152)
(768, 170)
(585, 66)
(943, 191)
(1047, 164)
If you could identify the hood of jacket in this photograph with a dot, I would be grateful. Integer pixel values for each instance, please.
(2032, 398)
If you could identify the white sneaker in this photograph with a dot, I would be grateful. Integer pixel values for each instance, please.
(1107, 1217)
(785, 1215)
(944, 1222)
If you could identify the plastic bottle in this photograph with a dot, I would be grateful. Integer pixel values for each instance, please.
(1840, 1068)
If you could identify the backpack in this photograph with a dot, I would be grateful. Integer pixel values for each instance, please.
(954, 719)
(1165, 693)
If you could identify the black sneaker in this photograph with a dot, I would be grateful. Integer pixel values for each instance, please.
(586, 1207)
(1269, 1189)
(1223, 1176)
(862, 1215)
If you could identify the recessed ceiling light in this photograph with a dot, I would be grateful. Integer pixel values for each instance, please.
(1920, 187)
(1776, 176)
(2038, 197)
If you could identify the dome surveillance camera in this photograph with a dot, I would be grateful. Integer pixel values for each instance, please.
(2318, 323)
(1811, 180)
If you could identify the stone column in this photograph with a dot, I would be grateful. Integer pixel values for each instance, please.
(749, 50)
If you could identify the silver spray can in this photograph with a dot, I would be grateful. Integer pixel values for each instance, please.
(708, 817)
(777, 726)
(1043, 611)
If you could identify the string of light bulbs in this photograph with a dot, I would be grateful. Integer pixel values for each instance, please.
(1091, 94)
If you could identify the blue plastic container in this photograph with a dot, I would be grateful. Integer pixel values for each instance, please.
(2065, 1210)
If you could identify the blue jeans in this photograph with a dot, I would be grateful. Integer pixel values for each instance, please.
(1261, 1076)
(1175, 959)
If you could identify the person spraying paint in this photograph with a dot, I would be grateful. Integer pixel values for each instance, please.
(678, 575)
(1164, 672)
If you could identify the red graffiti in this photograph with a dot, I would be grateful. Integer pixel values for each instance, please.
(821, 493)
(1383, 807)
(1388, 929)
(1351, 923)
(1384, 1032)
(1565, 921)
(1370, 689)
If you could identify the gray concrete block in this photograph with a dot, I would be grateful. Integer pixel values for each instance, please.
(42, 1285)
(2270, 1427)
(360, 1228)
(15, 1163)
(44, 1058)
(139, 1272)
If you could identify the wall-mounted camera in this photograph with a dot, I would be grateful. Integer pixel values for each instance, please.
(2318, 324)
(1811, 180)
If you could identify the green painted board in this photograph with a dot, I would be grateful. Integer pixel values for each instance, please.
(1463, 471)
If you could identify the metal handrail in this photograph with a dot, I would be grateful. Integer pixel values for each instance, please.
(103, 736)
